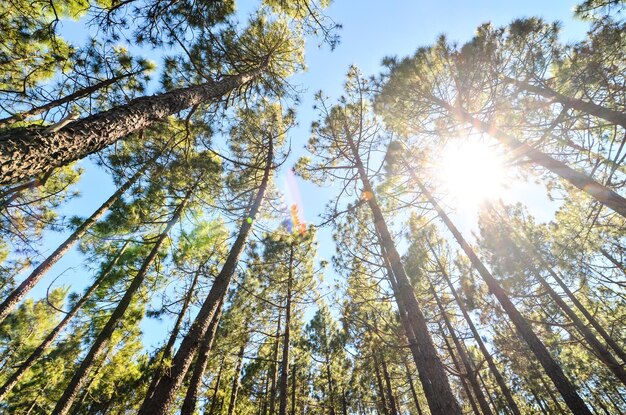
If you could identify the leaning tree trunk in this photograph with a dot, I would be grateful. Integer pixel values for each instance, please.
(597, 191)
(39, 351)
(392, 399)
(20, 292)
(80, 376)
(612, 116)
(27, 152)
(512, 405)
(379, 382)
(236, 380)
(441, 400)
(5, 122)
(284, 365)
(191, 397)
(552, 368)
(409, 378)
(165, 393)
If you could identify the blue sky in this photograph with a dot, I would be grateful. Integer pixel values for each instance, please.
(371, 30)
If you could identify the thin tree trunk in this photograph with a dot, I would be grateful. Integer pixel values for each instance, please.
(294, 379)
(165, 392)
(39, 351)
(612, 116)
(215, 390)
(412, 387)
(506, 392)
(379, 381)
(27, 152)
(275, 364)
(434, 380)
(284, 366)
(457, 367)
(191, 397)
(236, 381)
(5, 122)
(80, 376)
(392, 400)
(167, 350)
(38, 273)
(465, 360)
(552, 368)
(597, 191)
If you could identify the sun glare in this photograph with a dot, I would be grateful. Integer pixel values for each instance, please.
(471, 171)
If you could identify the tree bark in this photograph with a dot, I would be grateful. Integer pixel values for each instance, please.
(165, 392)
(552, 368)
(284, 366)
(512, 405)
(27, 152)
(597, 191)
(275, 364)
(80, 376)
(5, 122)
(20, 292)
(465, 360)
(412, 387)
(441, 400)
(379, 381)
(392, 400)
(236, 381)
(191, 397)
(211, 410)
(39, 351)
(612, 116)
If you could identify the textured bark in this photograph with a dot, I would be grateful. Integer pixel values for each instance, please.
(551, 367)
(169, 347)
(5, 122)
(80, 376)
(284, 365)
(27, 152)
(612, 116)
(20, 292)
(191, 397)
(470, 370)
(165, 393)
(39, 351)
(597, 191)
(441, 400)
(506, 392)
(236, 381)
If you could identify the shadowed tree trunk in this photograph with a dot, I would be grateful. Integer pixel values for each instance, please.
(393, 407)
(39, 351)
(236, 381)
(284, 365)
(552, 368)
(441, 400)
(379, 382)
(294, 379)
(612, 116)
(511, 404)
(20, 292)
(273, 388)
(409, 379)
(27, 152)
(218, 379)
(80, 376)
(191, 397)
(165, 393)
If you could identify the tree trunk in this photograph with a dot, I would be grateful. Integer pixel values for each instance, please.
(27, 152)
(506, 392)
(80, 376)
(211, 410)
(434, 380)
(39, 351)
(275, 364)
(552, 368)
(465, 360)
(191, 397)
(612, 116)
(379, 381)
(293, 389)
(5, 122)
(284, 366)
(167, 350)
(165, 393)
(236, 381)
(412, 387)
(597, 191)
(20, 292)
(392, 400)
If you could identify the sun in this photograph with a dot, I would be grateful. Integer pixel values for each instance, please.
(471, 171)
